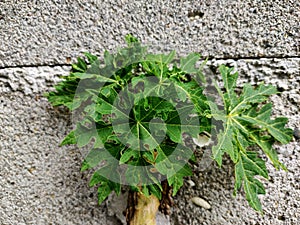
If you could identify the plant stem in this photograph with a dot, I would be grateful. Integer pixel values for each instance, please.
(141, 210)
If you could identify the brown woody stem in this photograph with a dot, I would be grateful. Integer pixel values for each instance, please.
(141, 210)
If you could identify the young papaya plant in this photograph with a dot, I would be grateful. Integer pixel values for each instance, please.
(135, 110)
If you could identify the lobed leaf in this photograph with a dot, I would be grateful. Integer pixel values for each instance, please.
(187, 64)
(247, 167)
(247, 122)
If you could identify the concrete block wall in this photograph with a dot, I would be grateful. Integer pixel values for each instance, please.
(41, 183)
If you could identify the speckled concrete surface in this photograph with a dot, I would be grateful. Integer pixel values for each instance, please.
(49, 32)
(41, 183)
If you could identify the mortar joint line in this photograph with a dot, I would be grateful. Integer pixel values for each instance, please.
(209, 58)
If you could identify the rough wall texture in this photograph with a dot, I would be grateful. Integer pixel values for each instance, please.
(40, 183)
(47, 32)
